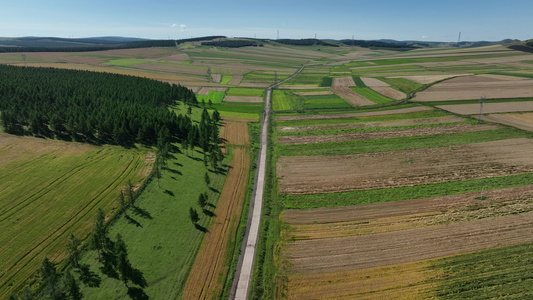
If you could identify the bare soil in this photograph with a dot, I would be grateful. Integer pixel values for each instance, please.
(204, 280)
(355, 115)
(522, 120)
(378, 170)
(438, 120)
(207, 89)
(489, 108)
(382, 134)
(341, 86)
(387, 91)
(243, 99)
(343, 82)
(475, 87)
(427, 79)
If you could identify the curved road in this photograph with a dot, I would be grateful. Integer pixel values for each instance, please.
(243, 274)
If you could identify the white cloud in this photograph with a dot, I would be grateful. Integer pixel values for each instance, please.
(183, 28)
(425, 36)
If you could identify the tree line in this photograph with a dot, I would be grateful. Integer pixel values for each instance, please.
(87, 48)
(93, 107)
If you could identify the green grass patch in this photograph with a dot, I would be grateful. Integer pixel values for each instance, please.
(363, 71)
(162, 241)
(225, 79)
(214, 96)
(372, 95)
(397, 61)
(403, 193)
(324, 101)
(280, 101)
(358, 81)
(403, 85)
(240, 110)
(487, 274)
(245, 92)
(326, 81)
(413, 142)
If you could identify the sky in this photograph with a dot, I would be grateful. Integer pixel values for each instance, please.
(430, 20)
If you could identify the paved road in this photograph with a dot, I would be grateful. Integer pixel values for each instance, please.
(243, 274)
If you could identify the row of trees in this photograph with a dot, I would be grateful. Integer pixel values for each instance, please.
(91, 106)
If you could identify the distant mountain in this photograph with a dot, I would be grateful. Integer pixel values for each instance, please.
(33, 41)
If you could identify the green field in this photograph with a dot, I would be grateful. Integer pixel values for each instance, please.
(162, 241)
(51, 189)
(280, 101)
(402, 84)
(214, 96)
(245, 92)
(324, 102)
(225, 79)
(372, 95)
(124, 62)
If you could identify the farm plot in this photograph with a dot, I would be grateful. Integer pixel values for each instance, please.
(382, 134)
(341, 86)
(391, 248)
(489, 108)
(376, 124)
(355, 115)
(475, 87)
(428, 79)
(210, 264)
(521, 120)
(387, 169)
(383, 88)
(51, 189)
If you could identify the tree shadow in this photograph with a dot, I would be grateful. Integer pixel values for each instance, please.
(211, 205)
(88, 277)
(168, 192)
(132, 221)
(137, 293)
(214, 190)
(137, 277)
(174, 171)
(141, 212)
(201, 228)
(208, 213)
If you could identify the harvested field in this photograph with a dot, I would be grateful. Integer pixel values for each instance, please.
(383, 134)
(234, 132)
(235, 80)
(391, 248)
(523, 121)
(355, 115)
(243, 99)
(489, 108)
(474, 87)
(216, 77)
(299, 87)
(210, 263)
(438, 120)
(403, 281)
(341, 86)
(207, 89)
(365, 212)
(377, 170)
(427, 79)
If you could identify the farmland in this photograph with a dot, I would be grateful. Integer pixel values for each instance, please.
(59, 186)
(372, 151)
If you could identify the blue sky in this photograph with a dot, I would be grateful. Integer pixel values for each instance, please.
(338, 19)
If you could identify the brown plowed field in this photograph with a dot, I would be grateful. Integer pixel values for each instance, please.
(523, 121)
(207, 89)
(438, 120)
(382, 134)
(377, 170)
(387, 91)
(341, 86)
(489, 108)
(391, 248)
(204, 281)
(235, 80)
(427, 79)
(355, 115)
(474, 87)
(243, 99)
(235, 132)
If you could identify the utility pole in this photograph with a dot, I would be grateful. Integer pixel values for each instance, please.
(278, 34)
(459, 38)
(481, 101)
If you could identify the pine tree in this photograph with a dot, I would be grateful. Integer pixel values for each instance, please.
(50, 279)
(193, 214)
(73, 290)
(73, 249)
(207, 179)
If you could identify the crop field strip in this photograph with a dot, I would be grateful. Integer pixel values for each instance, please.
(386, 133)
(72, 176)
